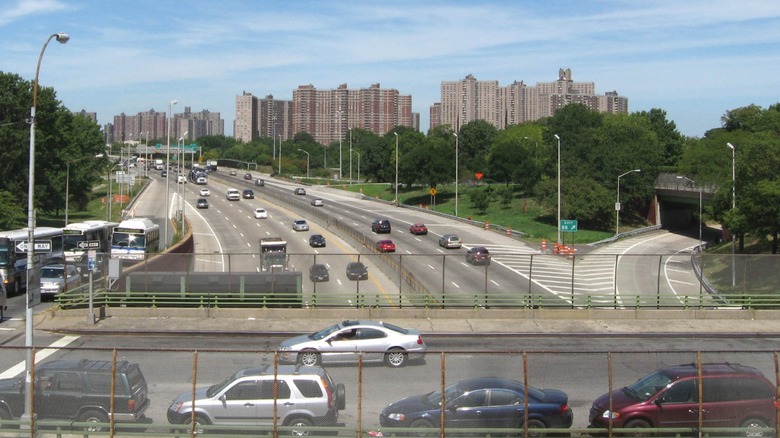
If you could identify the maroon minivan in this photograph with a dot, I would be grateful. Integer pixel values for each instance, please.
(733, 395)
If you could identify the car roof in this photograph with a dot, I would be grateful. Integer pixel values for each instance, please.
(265, 370)
(686, 370)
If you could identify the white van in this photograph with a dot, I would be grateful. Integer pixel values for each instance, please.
(233, 195)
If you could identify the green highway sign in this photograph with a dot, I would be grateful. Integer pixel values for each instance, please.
(569, 225)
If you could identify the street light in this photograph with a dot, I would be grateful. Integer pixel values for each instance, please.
(456, 173)
(700, 216)
(307, 161)
(167, 171)
(67, 181)
(559, 187)
(33, 285)
(617, 203)
(733, 206)
(396, 169)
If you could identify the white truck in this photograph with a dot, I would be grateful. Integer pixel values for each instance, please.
(158, 164)
(273, 254)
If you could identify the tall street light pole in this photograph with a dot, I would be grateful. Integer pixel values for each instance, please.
(456, 173)
(733, 206)
(558, 225)
(33, 282)
(167, 172)
(617, 202)
(396, 169)
(307, 161)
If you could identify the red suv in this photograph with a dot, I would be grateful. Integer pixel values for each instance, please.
(733, 395)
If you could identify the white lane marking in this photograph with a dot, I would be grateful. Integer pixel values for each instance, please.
(39, 356)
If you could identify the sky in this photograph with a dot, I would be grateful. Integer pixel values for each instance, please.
(694, 59)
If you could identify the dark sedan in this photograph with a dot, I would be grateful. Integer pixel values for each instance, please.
(317, 241)
(357, 271)
(318, 272)
(485, 402)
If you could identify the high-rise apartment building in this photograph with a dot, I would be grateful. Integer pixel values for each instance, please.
(88, 115)
(469, 99)
(268, 117)
(153, 125)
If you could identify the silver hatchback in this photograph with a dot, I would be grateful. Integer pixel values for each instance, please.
(343, 343)
(300, 225)
(450, 241)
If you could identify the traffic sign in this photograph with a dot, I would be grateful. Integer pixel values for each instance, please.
(40, 246)
(88, 244)
(569, 225)
(432, 191)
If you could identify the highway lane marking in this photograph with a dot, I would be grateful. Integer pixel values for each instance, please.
(39, 356)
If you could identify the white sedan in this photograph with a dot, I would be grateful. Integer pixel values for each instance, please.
(260, 213)
(205, 192)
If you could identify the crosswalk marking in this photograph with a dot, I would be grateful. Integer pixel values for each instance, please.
(39, 356)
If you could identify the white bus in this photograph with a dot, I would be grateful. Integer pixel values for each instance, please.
(133, 239)
(13, 256)
(93, 231)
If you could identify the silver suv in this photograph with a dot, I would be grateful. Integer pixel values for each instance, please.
(305, 397)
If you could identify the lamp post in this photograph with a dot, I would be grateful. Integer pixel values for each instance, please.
(396, 169)
(307, 161)
(350, 156)
(167, 171)
(558, 225)
(733, 206)
(456, 173)
(617, 202)
(700, 212)
(33, 285)
(339, 122)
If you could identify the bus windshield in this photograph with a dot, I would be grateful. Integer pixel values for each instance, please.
(71, 240)
(128, 240)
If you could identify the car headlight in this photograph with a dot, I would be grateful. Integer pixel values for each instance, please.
(285, 348)
(396, 417)
(610, 415)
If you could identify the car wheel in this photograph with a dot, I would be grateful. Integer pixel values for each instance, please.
(96, 419)
(196, 428)
(5, 415)
(534, 428)
(341, 397)
(755, 423)
(300, 426)
(309, 358)
(637, 424)
(421, 423)
(395, 358)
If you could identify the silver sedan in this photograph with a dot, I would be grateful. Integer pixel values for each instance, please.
(344, 342)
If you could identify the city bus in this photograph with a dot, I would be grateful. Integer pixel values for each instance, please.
(13, 254)
(93, 231)
(133, 239)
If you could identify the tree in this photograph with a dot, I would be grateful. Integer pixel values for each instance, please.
(481, 199)
(474, 143)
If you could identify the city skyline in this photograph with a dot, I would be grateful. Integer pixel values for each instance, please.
(695, 60)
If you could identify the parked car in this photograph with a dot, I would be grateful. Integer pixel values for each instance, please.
(316, 241)
(305, 398)
(733, 395)
(248, 176)
(380, 226)
(318, 272)
(80, 390)
(478, 255)
(203, 203)
(317, 202)
(450, 241)
(379, 342)
(300, 225)
(205, 192)
(260, 183)
(248, 194)
(357, 271)
(300, 191)
(418, 229)
(59, 278)
(385, 245)
(260, 213)
(480, 403)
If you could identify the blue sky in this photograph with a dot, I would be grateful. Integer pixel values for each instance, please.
(695, 59)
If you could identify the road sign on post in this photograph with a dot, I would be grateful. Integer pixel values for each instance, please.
(88, 244)
(40, 246)
(569, 225)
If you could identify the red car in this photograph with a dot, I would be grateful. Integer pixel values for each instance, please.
(418, 229)
(385, 246)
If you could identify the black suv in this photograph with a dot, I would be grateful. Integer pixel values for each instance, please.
(80, 391)
(478, 255)
(248, 194)
(380, 226)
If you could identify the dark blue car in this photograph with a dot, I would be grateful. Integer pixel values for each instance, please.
(486, 402)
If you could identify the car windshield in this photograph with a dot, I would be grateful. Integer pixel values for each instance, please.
(52, 273)
(450, 393)
(215, 389)
(648, 386)
(324, 332)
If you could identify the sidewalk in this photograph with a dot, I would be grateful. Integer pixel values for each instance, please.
(514, 322)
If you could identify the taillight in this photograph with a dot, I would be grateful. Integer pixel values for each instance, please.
(329, 393)
(131, 405)
(564, 408)
(419, 340)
